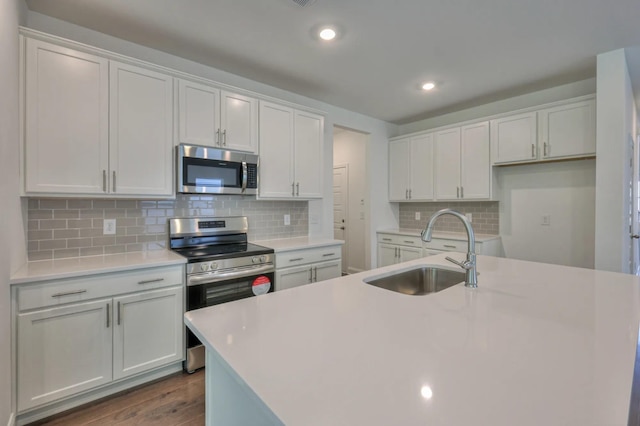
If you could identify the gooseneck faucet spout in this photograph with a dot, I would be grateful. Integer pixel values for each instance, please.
(468, 265)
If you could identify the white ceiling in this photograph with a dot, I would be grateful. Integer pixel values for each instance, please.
(478, 51)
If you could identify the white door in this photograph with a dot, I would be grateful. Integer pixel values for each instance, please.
(513, 138)
(447, 164)
(408, 253)
(276, 151)
(148, 331)
(67, 120)
(475, 163)
(141, 131)
(293, 277)
(63, 351)
(199, 112)
(340, 211)
(421, 168)
(309, 141)
(239, 122)
(387, 255)
(399, 170)
(568, 130)
(326, 270)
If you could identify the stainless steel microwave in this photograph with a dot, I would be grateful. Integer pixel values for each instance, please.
(205, 170)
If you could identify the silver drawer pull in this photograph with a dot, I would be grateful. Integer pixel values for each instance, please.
(386, 239)
(409, 242)
(450, 246)
(155, 280)
(328, 254)
(297, 259)
(69, 293)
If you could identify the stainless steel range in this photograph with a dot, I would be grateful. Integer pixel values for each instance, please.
(221, 267)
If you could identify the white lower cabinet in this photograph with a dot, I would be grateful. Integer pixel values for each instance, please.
(394, 249)
(67, 344)
(305, 266)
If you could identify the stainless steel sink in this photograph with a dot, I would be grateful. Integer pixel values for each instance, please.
(418, 281)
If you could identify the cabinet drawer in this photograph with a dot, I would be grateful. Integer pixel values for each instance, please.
(59, 292)
(450, 245)
(305, 256)
(402, 240)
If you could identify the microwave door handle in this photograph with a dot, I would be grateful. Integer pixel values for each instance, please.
(244, 176)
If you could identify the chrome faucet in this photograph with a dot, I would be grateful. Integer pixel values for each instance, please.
(468, 265)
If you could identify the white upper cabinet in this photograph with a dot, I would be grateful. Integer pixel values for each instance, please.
(462, 163)
(66, 120)
(411, 168)
(212, 117)
(141, 128)
(568, 130)
(513, 138)
(94, 126)
(291, 144)
(564, 130)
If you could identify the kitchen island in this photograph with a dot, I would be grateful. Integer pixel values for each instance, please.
(535, 344)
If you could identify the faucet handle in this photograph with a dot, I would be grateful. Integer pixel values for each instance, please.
(464, 265)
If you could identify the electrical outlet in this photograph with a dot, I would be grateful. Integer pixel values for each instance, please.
(469, 217)
(546, 220)
(109, 227)
(287, 219)
(417, 215)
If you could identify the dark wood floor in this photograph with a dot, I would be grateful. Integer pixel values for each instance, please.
(177, 400)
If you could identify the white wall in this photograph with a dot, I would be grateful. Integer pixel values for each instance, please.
(12, 245)
(615, 131)
(565, 191)
(350, 148)
(320, 211)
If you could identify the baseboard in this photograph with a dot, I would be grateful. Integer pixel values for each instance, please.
(12, 420)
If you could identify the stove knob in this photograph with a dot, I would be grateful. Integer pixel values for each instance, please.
(263, 258)
(204, 266)
(255, 259)
(214, 265)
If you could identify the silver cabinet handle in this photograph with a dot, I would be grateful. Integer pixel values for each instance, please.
(462, 192)
(297, 259)
(533, 150)
(114, 181)
(104, 181)
(386, 239)
(450, 246)
(224, 137)
(409, 242)
(409, 193)
(457, 192)
(298, 189)
(328, 254)
(119, 312)
(68, 293)
(544, 149)
(315, 274)
(218, 137)
(310, 275)
(108, 315)
(155, 280)
(406, 194)
(293, 189)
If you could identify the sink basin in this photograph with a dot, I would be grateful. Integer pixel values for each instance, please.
(418, 281)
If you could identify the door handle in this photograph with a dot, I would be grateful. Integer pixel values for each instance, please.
(342, 227)
(218, 137)
(108, 319)
(315, 274)
(635, 236)
(298, 189)
(114, 181)
(224, 137)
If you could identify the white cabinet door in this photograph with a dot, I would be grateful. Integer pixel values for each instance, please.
(199, 114)
(408, 253)
(568, 130)
(293, 277)
(62, 351)
(148, 331)
(276, 151)
(327, 270)
(447, 164)
(238, 122)
(387, 255)
(475, 163)
(308, 134)
(399, 170)
(141, 127)
(421, 168)
(66, 121)
(513, 138)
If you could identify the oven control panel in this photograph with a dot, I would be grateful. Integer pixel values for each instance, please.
(226, 264)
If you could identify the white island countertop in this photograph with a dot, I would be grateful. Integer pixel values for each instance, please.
(535, 344)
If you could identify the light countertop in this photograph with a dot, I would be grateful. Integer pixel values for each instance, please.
(460, 236)
(535, 344)
(41, 270)
(297, 243)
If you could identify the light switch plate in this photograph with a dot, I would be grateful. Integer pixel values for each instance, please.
(417, 215)
(287, 219)
(469, 217)
(109, 227)
(546, 220)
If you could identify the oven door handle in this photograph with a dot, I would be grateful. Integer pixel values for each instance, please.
(212, 277)
(244, 176)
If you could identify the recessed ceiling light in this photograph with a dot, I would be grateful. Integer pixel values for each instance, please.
(327, 33)
(428, 86)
